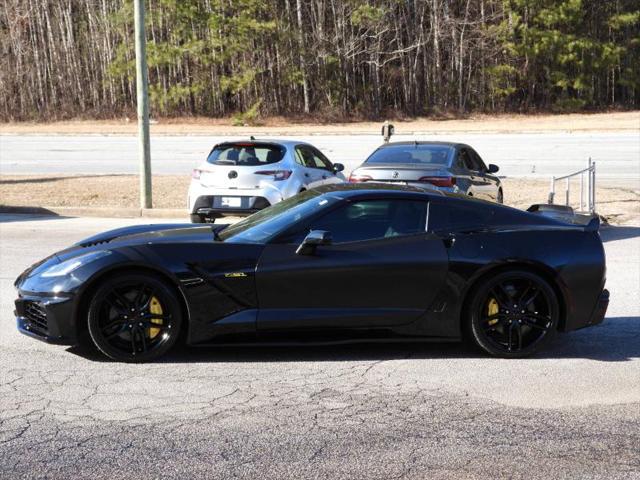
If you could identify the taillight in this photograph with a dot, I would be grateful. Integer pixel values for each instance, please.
(195, 174)
(439, 181)
(277, 174)
(355, 178)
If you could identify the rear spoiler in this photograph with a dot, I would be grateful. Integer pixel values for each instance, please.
(566, 214)
(593, 225)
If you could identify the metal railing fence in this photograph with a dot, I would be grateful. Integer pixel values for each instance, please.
(587, 204)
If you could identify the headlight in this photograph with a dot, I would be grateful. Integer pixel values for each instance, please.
(68, 266)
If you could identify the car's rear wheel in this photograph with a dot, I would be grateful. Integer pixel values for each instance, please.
(513, 314)
(134, 317)
(196, 218)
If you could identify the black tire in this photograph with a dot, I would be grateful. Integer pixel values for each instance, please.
(513, 314)
(134, 317)
(196, 218)
(500, 198)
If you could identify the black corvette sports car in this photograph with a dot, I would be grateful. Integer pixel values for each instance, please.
(337, 264)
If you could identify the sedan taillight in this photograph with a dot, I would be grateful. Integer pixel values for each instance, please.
(277, 174)
(355, 178)
(195, 174)
(439, 181)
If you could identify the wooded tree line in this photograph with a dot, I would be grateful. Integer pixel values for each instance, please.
(330, 58)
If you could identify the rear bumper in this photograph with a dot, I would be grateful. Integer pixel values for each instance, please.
(600, 310)
(211, 206)
(209, 200)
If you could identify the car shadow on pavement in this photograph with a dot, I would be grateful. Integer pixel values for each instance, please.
(613, 233)
(616, 340)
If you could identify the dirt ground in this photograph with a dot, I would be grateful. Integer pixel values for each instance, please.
(287, 126)
(170, 191)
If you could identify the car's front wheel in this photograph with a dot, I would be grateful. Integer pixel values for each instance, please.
(134, 317)
(513, 314)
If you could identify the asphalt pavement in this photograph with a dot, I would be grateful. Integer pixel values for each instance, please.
(360, 412)
(532, 154)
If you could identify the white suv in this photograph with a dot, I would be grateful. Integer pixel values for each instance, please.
(240, 178)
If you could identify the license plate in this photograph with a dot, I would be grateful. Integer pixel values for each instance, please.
(231, 201)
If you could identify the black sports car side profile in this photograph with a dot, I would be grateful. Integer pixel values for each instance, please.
(347, 263)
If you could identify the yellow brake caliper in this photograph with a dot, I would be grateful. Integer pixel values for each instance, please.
(492, 309)
(155, 309)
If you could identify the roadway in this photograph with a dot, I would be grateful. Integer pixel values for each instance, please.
(377, 412)
(517, 154)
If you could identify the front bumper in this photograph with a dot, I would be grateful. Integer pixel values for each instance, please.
(46, 318)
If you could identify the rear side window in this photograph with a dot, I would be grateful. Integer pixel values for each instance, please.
(412, 154)
(247, 154)
(459, 217)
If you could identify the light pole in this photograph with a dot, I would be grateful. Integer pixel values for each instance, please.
(142, 98)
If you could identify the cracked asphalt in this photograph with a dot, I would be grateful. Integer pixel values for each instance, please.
(360, 412)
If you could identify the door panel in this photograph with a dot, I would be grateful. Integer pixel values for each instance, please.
(368, 284)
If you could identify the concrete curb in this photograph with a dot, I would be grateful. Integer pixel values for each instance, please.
(115, 212)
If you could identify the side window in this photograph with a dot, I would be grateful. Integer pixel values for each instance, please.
(303, 157)
(465, 159)
(480, 166)
(320, 160)
(368, 220)
(311, 158)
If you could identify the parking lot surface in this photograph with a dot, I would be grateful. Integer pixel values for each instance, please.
(359, 411)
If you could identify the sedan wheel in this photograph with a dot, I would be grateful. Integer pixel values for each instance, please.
(134, 318)
(513, 314)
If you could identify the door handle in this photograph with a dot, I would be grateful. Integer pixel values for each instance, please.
(306, 174)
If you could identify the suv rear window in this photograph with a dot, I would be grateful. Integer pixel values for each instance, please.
(247, 154)
(412, 154)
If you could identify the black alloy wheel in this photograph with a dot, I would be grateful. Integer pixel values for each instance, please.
(134, 318)
(513, 314)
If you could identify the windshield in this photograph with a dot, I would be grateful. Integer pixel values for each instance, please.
(248, 154)
(416, 154)
(266, 224)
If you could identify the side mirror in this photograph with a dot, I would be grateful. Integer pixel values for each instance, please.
(338, 167)
(313, 239)
(493, 168)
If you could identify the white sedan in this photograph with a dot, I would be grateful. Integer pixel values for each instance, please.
(242, 177)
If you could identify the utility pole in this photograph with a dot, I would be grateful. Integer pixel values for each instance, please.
(142, 97)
